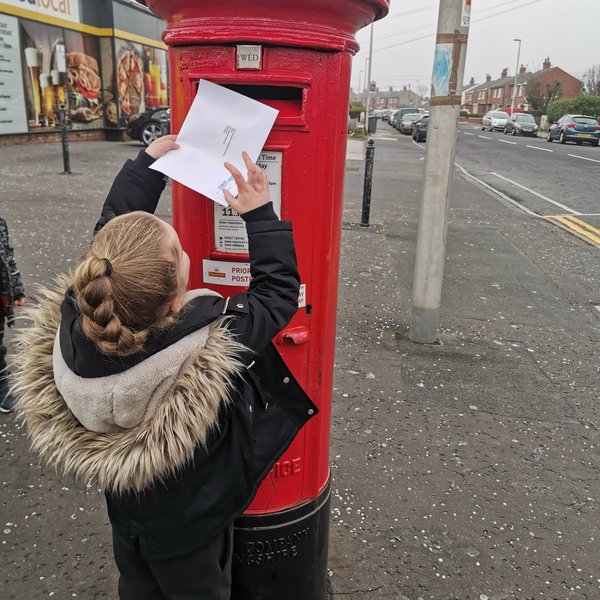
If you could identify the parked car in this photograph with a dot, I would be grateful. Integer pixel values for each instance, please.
(575, 128)
(400, 114)
(407, 121)
(392, 117)
(521, 124)
(145, 127)
(419, 128)
(494, 119)
(386, 114)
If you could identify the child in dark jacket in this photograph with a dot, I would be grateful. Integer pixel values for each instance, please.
(168, 400)
(11, 294)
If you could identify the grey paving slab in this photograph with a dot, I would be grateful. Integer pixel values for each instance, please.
(465, 470)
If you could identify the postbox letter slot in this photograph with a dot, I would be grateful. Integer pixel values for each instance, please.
(286, 99)
(295, 335)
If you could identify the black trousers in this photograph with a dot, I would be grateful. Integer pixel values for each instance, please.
(2, 347)
(205, 574)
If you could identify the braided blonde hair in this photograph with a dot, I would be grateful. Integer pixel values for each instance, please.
(125, 282)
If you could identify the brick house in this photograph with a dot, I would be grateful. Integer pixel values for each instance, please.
(571, 86)
(476, 98)
(497, 94)
(390, 99)
(466, 92)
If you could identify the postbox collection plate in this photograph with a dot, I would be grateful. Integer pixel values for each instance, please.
(230, 229)
(248, 57)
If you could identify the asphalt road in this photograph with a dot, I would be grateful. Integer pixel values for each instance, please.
(558, 182)
(528, 168)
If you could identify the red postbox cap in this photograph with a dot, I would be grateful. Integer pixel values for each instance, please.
(322, 24)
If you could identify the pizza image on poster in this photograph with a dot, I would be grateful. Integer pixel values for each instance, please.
(84, 84)
(130, 80)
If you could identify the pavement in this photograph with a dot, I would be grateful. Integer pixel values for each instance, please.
(466, 469)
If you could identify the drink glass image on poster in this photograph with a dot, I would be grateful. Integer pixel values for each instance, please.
(155, 77)
(84, 84)
(43, 73)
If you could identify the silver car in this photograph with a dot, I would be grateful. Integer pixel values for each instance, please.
(494, 119)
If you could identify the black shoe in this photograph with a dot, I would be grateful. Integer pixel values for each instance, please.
(8, 402)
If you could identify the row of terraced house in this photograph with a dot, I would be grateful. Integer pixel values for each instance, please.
(497, 94)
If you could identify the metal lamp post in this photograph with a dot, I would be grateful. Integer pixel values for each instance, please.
(514, 94)
(368, 86)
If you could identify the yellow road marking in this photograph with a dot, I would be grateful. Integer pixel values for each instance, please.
(591, 228)
(580, 228)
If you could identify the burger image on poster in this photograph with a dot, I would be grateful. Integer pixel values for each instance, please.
(83, 79)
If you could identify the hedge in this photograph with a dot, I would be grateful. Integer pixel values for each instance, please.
(582, 105)
(355, 109)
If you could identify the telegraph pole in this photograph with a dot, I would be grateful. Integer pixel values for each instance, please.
(447, 80)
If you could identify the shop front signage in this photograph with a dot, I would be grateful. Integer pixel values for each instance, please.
(61, 9)
(13, 118)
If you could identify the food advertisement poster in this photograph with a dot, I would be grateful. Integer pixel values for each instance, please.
(155, 77)
(42, 47)
(13, 118)
(141, 78)
(111, 109)
(84, 84)
(130, 78)
(102, 81)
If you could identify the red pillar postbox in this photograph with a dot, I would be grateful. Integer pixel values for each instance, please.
(293, 55)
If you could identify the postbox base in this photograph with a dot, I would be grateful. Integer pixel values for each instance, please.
(283, 554)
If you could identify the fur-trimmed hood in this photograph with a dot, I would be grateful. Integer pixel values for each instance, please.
(148, 433)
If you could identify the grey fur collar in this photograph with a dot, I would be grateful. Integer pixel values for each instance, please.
(128, 459)
(117, 402)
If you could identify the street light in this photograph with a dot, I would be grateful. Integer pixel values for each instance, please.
(368, 75)
(514, 95)
(365, 86)
(360, 74)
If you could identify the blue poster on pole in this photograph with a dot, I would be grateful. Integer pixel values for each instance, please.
(442, 68)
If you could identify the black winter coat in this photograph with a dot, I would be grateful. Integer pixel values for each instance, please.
(186, 510)
(11, 285)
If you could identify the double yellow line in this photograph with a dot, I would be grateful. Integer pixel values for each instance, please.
(580, 228)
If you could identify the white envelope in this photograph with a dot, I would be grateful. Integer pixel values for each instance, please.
(219, 126)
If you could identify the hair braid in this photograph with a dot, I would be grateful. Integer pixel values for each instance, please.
(123, 297)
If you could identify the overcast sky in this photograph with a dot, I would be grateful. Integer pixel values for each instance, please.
(565, 30)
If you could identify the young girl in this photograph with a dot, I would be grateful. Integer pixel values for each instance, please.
(174, 402)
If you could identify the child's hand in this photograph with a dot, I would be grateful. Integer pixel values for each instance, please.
(20, 301)
(162, 145)
(252, 193)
